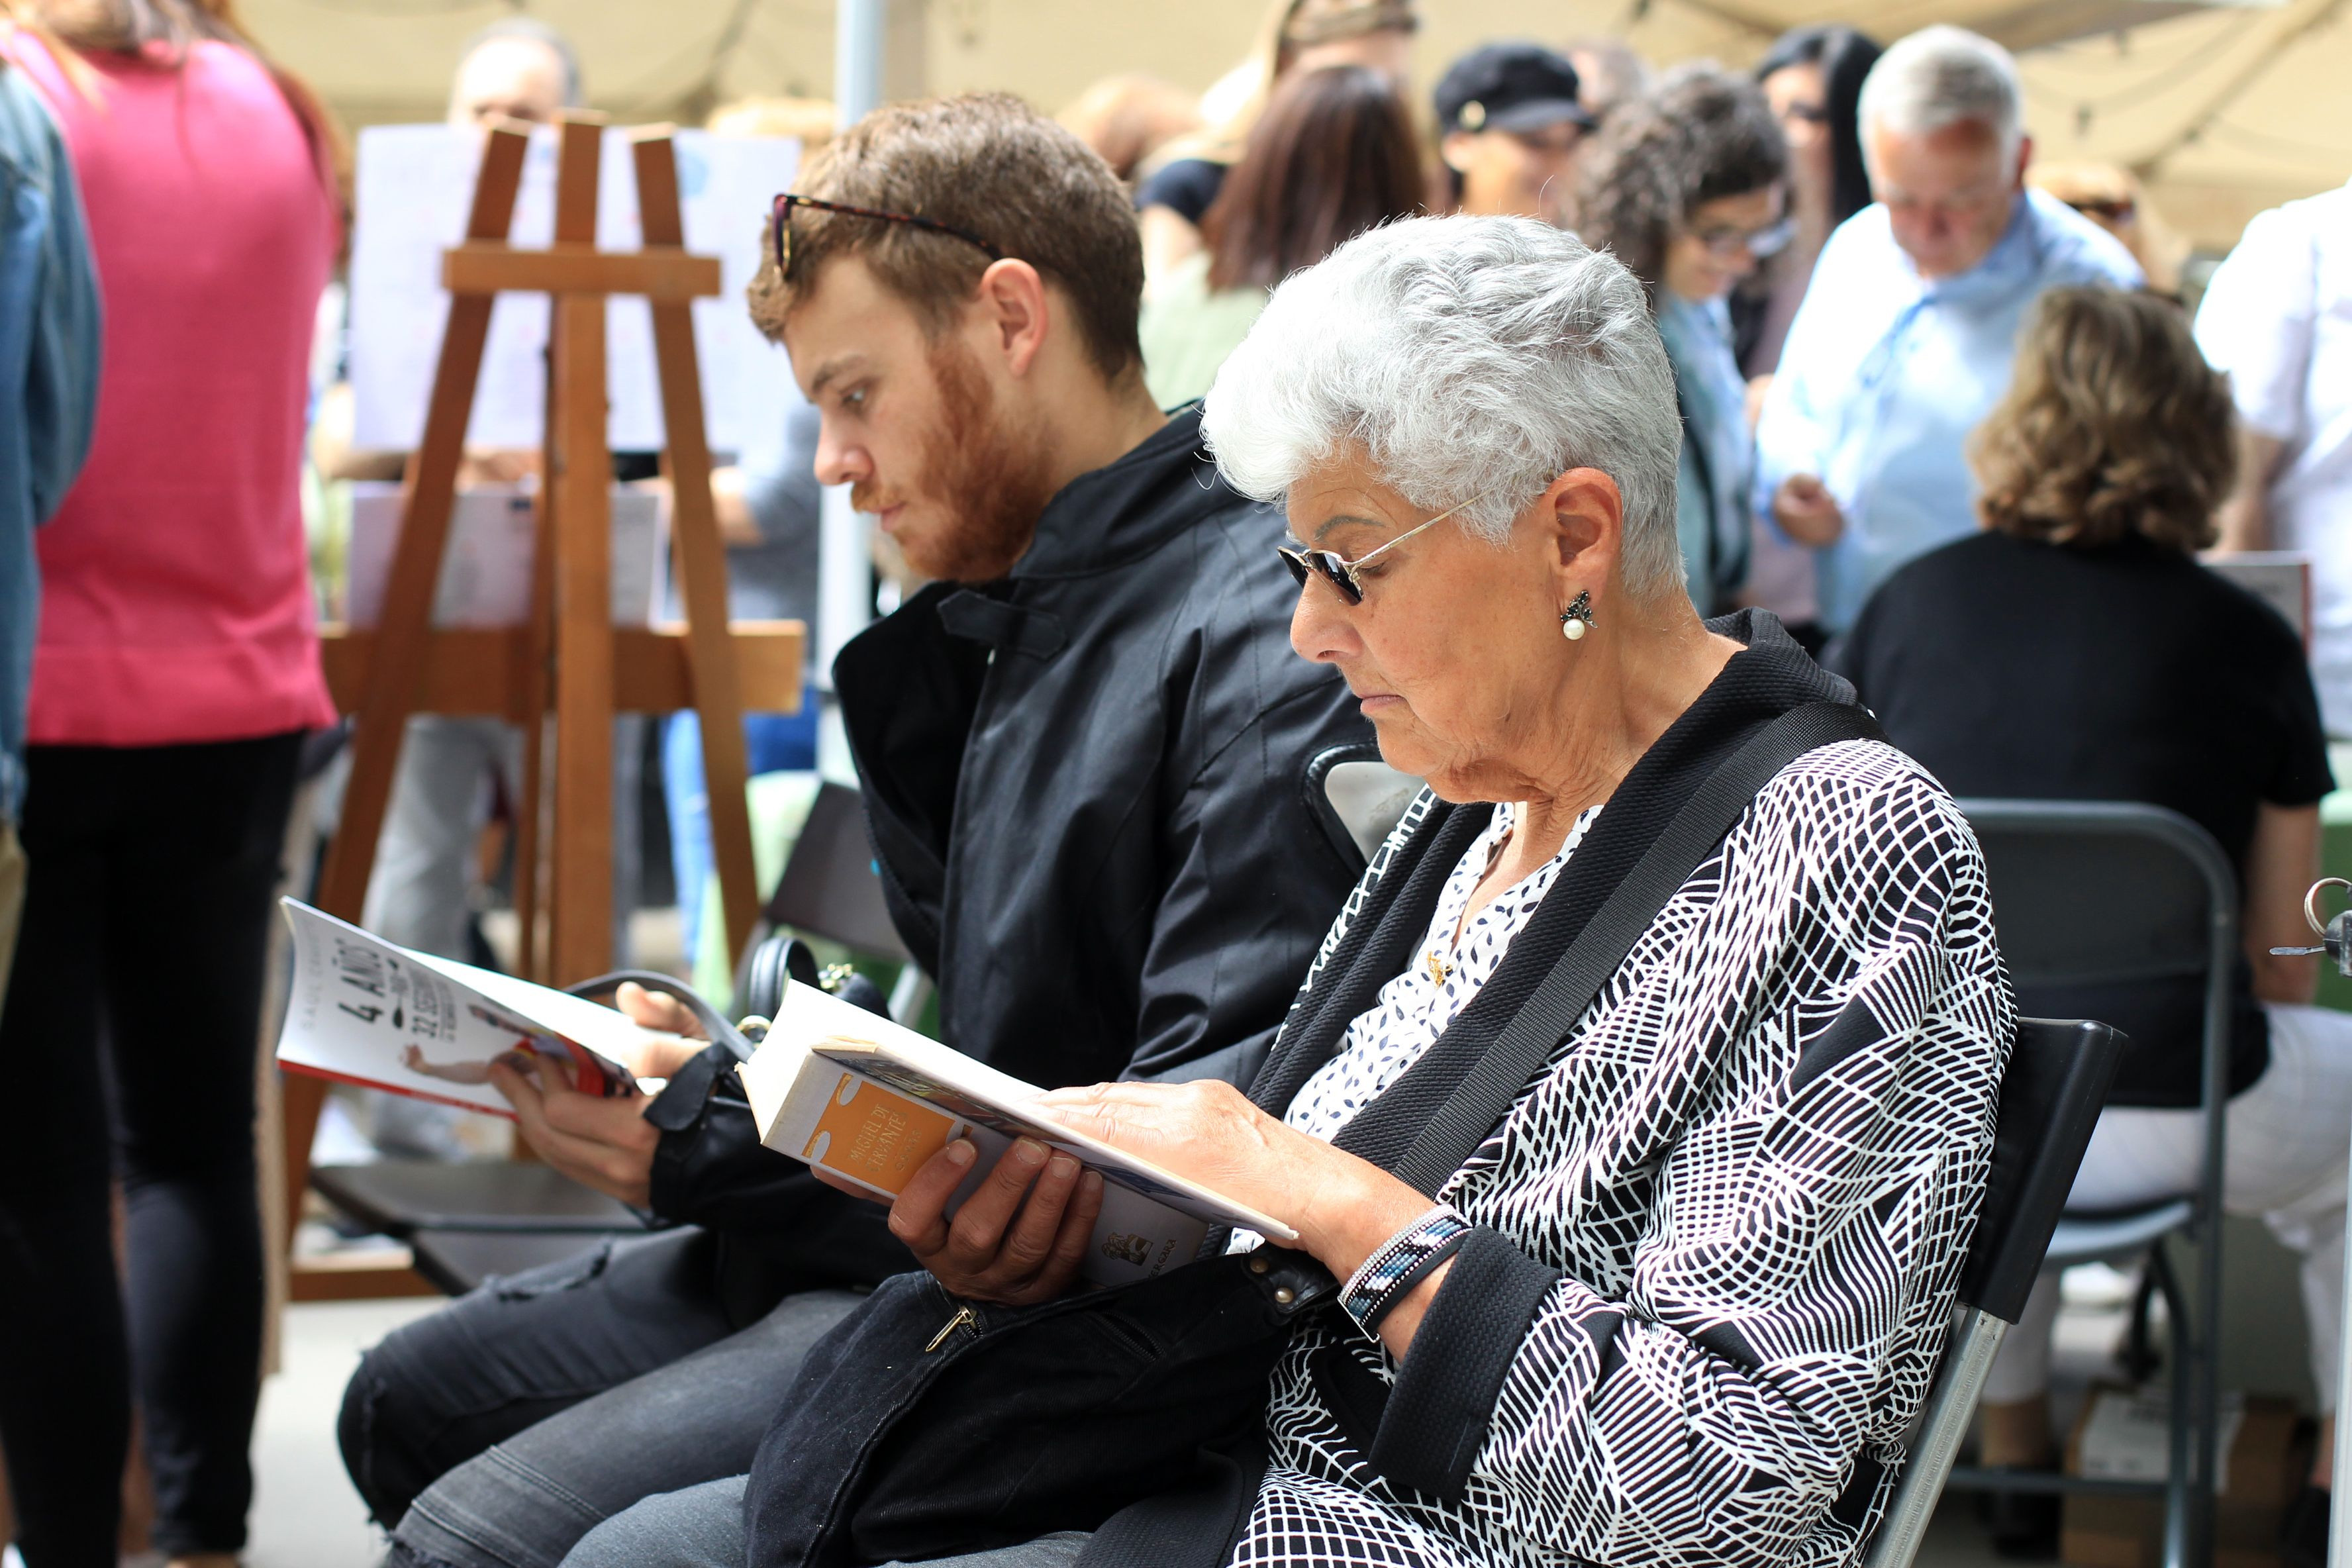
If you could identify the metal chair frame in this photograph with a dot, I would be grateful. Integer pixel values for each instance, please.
(2194, 1329)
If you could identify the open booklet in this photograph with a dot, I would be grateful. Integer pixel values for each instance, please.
(869, 1100)
(367, 1011)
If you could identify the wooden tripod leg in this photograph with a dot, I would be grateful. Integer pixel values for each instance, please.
(530, 686)
(398, 662)
(701, 558)
(580, 942)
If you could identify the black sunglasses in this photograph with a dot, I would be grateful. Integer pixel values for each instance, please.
(779, 217)
(1339, 572)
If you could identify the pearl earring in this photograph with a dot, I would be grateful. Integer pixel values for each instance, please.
(1577, 619)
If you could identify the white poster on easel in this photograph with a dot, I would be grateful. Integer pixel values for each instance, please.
(414, 186)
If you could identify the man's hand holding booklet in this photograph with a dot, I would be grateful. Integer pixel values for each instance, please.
(849, 1093)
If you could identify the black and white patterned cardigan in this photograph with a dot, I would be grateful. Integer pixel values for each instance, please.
(1720, 1237)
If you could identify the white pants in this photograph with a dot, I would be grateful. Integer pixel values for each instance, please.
(423, 888)
(2287, 1141)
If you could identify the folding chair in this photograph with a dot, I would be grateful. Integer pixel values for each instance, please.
(2050, 1100)
(831, 889)
(2102, 892)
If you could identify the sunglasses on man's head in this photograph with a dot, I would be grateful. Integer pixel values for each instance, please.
(780, 219)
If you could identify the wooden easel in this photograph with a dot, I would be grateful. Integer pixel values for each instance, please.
(569, 659)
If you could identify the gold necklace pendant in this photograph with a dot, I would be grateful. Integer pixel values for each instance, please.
(1438, 968)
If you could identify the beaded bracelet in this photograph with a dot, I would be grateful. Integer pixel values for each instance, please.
(1399, 1263)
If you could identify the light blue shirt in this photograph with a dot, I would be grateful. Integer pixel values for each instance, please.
(1719, 455)
(1886, 374)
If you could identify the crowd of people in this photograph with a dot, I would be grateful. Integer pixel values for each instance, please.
(1555, 443)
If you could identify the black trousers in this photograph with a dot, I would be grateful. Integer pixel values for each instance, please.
(127, 1042)
(501, 1429)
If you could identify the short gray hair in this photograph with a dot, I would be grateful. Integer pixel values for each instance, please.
(531, 30)
(1944, 76)
(1474, 359)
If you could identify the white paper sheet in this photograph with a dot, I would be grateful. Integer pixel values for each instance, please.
(414, 185)
(368, 1011)
(486, 564)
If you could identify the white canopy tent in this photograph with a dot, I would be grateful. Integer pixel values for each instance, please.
(2224, 108)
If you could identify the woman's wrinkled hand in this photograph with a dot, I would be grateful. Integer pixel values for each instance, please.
(1342, 1206)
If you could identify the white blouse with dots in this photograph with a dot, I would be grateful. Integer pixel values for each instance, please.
(1417, 1005)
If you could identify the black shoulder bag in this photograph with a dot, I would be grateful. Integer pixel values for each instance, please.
(924, 1425)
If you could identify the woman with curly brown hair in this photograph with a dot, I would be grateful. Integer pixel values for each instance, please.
(2075, 650)
(1688, 188)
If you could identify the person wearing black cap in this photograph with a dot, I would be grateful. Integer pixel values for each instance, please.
(1509, 128)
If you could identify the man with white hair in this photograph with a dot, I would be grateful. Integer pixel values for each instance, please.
(516, 68)
(1905, 337)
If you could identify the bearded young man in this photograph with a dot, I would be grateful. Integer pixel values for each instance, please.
(1090, 764)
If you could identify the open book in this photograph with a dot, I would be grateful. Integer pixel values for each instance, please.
(869, 1101)
(367, 1011)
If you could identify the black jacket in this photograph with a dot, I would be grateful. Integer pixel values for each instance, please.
(1091, 792)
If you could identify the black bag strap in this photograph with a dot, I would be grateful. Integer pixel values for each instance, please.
(714, 1027)
(1479, 1102)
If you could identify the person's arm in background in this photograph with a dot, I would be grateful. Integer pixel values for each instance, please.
(1168, 238)
(2255, 324)
(1169, 204)
(777, 500)
(2282, 863)
(2283, 857)
(2244, 519)
(62, 369)
(1791, 436)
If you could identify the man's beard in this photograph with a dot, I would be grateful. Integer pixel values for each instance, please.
(987, 478)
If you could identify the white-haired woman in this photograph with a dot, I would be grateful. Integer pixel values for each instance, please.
(1695, 1281)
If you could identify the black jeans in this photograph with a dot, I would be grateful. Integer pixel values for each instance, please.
(128, 1042)
(501, 1429)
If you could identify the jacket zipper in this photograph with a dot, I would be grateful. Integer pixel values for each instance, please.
(962, 1320)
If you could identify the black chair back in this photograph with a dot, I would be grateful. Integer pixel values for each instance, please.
(2090, 892)
(2050, 1099)
(829, 887)
(2051, 1093)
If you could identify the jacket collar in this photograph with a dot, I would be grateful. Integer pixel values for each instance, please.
(1127, 508)
(1772, 677)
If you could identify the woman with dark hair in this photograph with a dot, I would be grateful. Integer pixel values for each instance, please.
(2075, 650)
(1176, 185)
(176, 671)
(1813, 79)
(1333, 156)
(1689, 188)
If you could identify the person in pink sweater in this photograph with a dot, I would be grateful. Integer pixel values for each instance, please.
(176, 671)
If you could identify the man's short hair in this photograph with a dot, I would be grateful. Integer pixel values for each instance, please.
(991, 166)
(1944, 76)
(531, 30)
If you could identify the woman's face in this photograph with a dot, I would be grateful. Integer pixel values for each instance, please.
(1456, 653)
(1800, 99)
(1714, 249)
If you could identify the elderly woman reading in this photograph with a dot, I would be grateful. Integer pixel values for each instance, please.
(1694, 1283)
